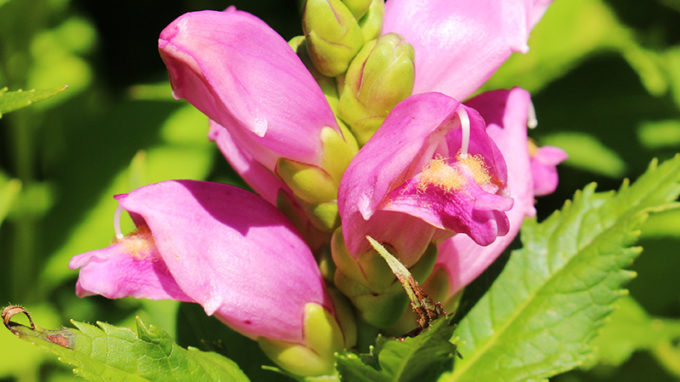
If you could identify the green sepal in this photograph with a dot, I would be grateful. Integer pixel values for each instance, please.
(307, 182)
(338, 150)
(332, 34)
(322, 339)
(357, 7)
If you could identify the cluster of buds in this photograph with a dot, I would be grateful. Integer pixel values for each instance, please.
(356, 129)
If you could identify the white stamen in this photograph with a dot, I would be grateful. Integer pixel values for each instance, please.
(116, 223)
(464, 120)
(532, 122)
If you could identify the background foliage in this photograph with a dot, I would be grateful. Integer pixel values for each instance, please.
(605, 77)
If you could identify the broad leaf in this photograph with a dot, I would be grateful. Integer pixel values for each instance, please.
(419, 358)
(539, 316)
(10, 101)
(631, 329)
(109, 353)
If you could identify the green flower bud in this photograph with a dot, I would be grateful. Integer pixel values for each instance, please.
(316, 187)
(309, 183)
(357, 7)
(379, 77)
(328, 85)
(371, 23)
(332, 34)
(370, 284)
(323, 338)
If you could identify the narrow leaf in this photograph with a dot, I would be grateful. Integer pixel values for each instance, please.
(108, 353)
(539, 316)
(419, 358)
(10, 101)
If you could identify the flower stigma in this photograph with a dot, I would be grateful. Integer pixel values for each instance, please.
(116, 223)
(464, 121)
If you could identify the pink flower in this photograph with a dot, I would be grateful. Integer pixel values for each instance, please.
(432, 161)
(506, 114)
(247, 79)
(459, 44)
(216, 245)
(544, 161)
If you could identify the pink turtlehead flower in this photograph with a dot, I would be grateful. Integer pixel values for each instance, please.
(459, 44)
(217, 245)
(244, 76)
(433, 162)
(544, 161)
(506, 114)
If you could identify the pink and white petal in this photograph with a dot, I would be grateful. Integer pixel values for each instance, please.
(241, 73)
(544, 169)
(405, 142)
(459, 44)
(131, 267)
(233, 253)
(506, 114)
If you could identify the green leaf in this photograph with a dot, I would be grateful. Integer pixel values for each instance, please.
(419, 358)
(631, 329)
(9, 190)
(10, 101)
(538, 317)
(109, 353)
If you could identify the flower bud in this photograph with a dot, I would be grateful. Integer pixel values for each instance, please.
(322, 339)
(357, 7)
(378, 78)
(333, 35)
(372, 22)
(369, 283)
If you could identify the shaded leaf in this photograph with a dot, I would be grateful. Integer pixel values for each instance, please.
(420, 358)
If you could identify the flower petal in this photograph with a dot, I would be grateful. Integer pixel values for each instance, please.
(543, 169)
(506, 114)
(411, 165)
(258, 177)
(459, 44)
(233, 253)
(128, 268)
(242, 74)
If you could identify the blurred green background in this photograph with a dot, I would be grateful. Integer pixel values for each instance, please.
(605, 76)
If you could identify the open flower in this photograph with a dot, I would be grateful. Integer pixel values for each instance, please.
(506, 112)
(228, 250)
(433, 161)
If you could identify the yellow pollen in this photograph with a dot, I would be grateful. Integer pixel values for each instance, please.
(140, 244)
(532, 148)
(477, 168)
(439, 174)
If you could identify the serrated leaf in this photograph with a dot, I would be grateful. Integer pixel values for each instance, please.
(109, 353)
(631, 329)
(13, 100)
(419, 358)
(540, 314)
